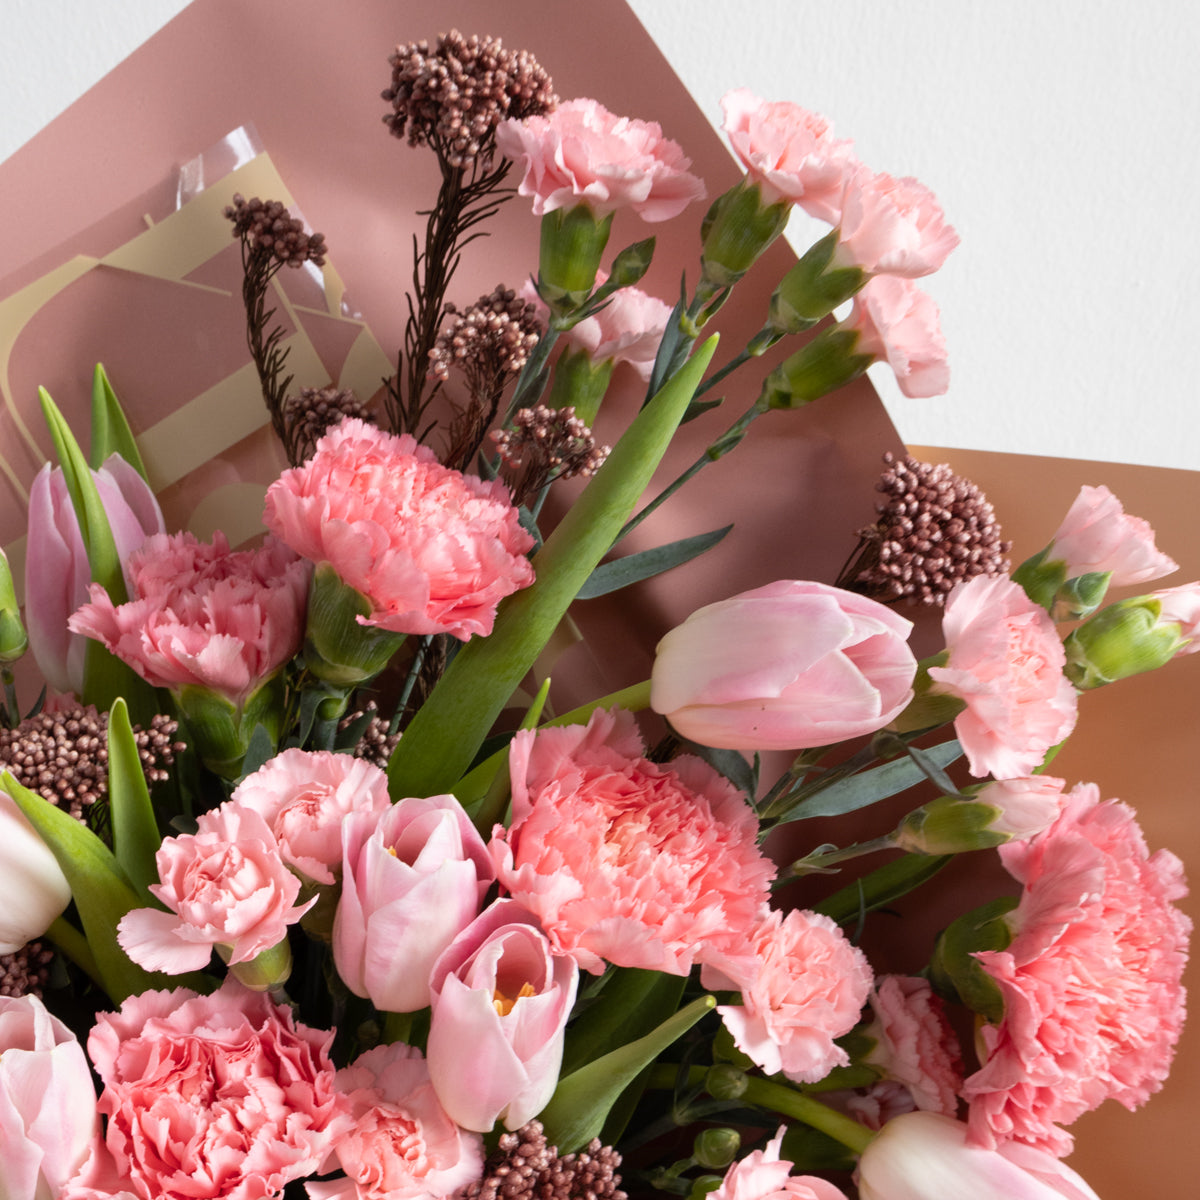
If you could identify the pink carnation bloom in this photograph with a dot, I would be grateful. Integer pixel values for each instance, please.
(583, 154)
(1097, 534)
(1006, 662)
(303, 796)
(898, 324)
(1181, 606)
(1093, 1003)
(914, 1044)
(212, 1096)
(893, 227)
(808, 987)
(763, 1175)
(202, 615)
(1027, 805)
(401, 1145)
(433, 550)
(789, 152)
(226, 886)
(645, 865)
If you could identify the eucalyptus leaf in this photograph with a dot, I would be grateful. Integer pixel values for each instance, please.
(881, 887)
(633, 568)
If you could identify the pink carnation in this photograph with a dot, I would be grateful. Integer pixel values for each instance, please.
(898, 324)
(645, 865)
(433, 550)
(1097, 534)
(401, 1145)
(202, 615)
(303, 796)
(808, 988)
(1093, 1003)
(763, 1175)
(1181, 606)
(1006, 662)
(789, 152)
(583, 154)
(914, 1044)
(225, 885)
(893, 226)
(213, 1096)
(1027, 806)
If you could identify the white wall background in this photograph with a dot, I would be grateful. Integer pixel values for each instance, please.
(1060, 137)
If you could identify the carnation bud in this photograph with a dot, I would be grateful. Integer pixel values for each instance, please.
(267, 970)
(1123, 639)
(630, 265)
(949, 826)
(1066, 599)
(715, 1149)
(572, 243)
(337, 649)
(823, 365)
(222, 730)
(812, 289)
(580, 384)
(956, 973)
(725, 1082)
(13, 640)
(736, 230)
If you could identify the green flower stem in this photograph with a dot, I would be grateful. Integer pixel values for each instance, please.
(780, 1098)
(75, 946)
(821, 862)
(444, 736)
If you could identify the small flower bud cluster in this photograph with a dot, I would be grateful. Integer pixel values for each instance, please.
(452, 96)
(269, 229)
(489, 341)
(310, 415)
(375, 744)
(524, 1167)
(64, 756)
(26, 971)
(554, 441)
(935, 529)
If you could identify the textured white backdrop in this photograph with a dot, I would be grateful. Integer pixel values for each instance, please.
(1060, 138)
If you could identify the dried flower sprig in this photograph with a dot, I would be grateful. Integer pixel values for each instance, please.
(488, 342)
(271, 238)
(308, 416)
(451, 96)
(26, 971)
(935, 529)
(550, 444)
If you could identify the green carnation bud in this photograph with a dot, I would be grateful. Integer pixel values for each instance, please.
(264, 971)
(222, 730)
(736, 230)
(949, 826)
(813, 288)
(13, 640)
(715, 1149)
(725, 1082)
(826, 363)
(337, 649)
(957, 974)
(1123, 639)
(573, 241)
(580, 383)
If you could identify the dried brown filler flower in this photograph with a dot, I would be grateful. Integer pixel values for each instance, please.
(452, 95)
(25, 972)
(269, 230)
(309, 416)
(524, 1167)
(375, 743)
(550, 444)
(935, 529)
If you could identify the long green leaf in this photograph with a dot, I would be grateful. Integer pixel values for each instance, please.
(633, 568)
(135, 832)
(865, 788)
(110, 429)
(439, 745)
(102, 891)
(882, 886)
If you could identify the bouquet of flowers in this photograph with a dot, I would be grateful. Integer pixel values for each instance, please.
(300, 846)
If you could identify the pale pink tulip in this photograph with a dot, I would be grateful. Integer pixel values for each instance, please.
(1098, 535)
(501, 990)
(893, 227)
(48, 1116)
(783, 667)
(763, 1175)
(413, 877)
(898, 324)
(925, 1156)
(57, 573)
(789, 152)
(35, 889)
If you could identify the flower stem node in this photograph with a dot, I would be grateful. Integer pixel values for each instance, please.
(737, 229)
(572, 242)
(1123, 639)
(828, 362)
(813, 288)
(222, 730)
(337, 649)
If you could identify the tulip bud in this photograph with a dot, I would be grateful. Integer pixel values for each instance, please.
(13, 639)
(1124, 639)
(736, 230)
(572, 243)
(35, 889)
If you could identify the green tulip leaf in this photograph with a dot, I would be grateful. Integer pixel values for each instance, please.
(110, 429)
(135, 832)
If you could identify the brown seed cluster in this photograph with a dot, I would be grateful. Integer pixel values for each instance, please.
(270, 230)
(25, 972)
(490, 341)
(524, 1167)
(310, 415)
(375, 744)
(935, 529)
(553, 441)
(452, 95)
(63, 756)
